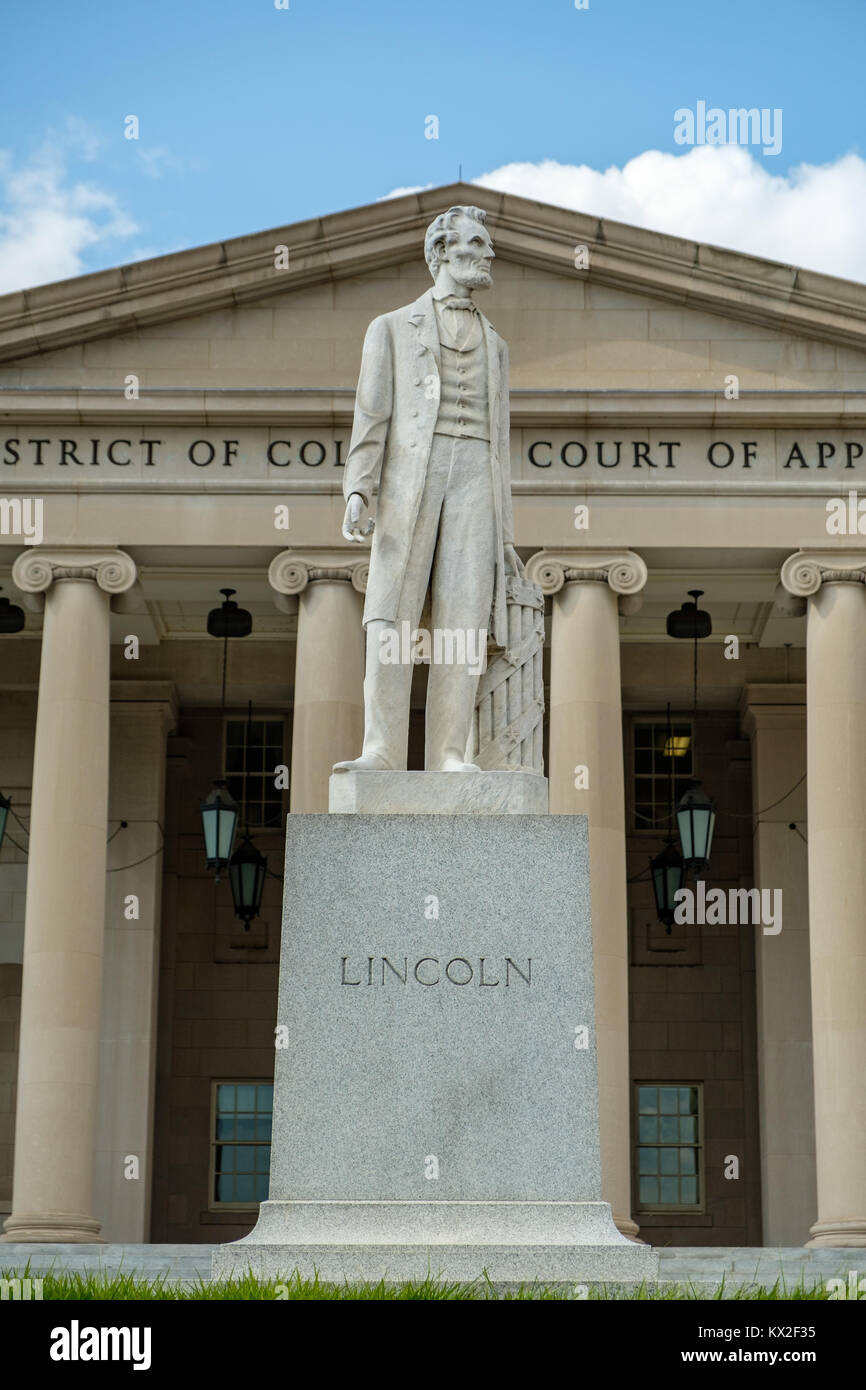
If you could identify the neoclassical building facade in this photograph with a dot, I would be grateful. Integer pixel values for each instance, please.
(683, 418)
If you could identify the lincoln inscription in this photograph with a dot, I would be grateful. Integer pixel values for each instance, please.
(434, 970)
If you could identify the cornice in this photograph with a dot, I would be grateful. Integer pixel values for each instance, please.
(373, 237)
(332, 407)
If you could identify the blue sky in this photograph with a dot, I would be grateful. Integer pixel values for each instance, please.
(252, 117)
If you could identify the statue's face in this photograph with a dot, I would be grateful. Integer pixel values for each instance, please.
(469, 255)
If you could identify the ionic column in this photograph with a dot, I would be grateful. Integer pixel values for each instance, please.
(586, 732)
(61, 1003)
(328, 722)
(834, 581)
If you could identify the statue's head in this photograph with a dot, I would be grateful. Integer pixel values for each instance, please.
(459, 240)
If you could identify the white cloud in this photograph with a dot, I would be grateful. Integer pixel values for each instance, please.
(48, 220)
(401, 192)
(157, 160)
(813, 216)
(79, 137)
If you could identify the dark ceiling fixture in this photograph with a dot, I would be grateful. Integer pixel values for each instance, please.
(219, 810)
(689, 621)
(228, 620)
(11, 616)
(696, 812)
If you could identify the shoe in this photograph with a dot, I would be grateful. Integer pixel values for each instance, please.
(455, 765)
(369, 762)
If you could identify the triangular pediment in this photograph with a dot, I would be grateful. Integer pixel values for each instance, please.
(584, 303)
(382, 235)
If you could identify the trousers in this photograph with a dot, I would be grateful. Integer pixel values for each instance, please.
(453, 551)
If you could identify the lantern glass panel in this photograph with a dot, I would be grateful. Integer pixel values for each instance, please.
(668, 872)
(219, 816)
(684, 824)
(696, 819)
(227, 820)
(247, 876)
(209, 820)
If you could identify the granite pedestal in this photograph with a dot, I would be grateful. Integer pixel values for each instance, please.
(436, 1105)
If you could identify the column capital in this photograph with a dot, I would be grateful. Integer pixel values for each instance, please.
(292, 570)
(805, 571)
(37, 570)
(622, 570)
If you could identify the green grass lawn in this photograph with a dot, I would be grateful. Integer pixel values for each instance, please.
(126, 1287)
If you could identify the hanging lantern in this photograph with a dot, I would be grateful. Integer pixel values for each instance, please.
(688, 622)
(4, 812)
(228, 620)
(696, 819)
(11, 616)
(247, 872)
(668, 874)
(219, 818)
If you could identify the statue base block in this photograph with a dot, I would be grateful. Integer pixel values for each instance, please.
(435, 1096)
(508, 1242)
(438, 793)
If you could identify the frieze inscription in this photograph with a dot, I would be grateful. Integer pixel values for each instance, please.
(654, 456)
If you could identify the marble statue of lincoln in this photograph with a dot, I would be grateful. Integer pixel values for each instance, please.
(431, 428)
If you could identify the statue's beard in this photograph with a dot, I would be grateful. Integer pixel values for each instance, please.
(476, 278)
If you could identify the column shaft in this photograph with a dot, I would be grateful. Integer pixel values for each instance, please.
(328, 721)
(836, 720)
(64, 924)
(586, 730)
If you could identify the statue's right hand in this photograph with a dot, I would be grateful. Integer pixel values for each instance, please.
(356, 509)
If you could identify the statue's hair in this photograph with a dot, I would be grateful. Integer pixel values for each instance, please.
(441, 232)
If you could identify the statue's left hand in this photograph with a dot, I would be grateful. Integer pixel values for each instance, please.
(513, 562)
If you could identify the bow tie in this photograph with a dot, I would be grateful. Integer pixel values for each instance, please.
(452, 302)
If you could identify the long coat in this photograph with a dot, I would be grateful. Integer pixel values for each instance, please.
(396, 406)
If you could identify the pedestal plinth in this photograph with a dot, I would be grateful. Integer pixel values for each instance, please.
(436, 1104)
(438, 793)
